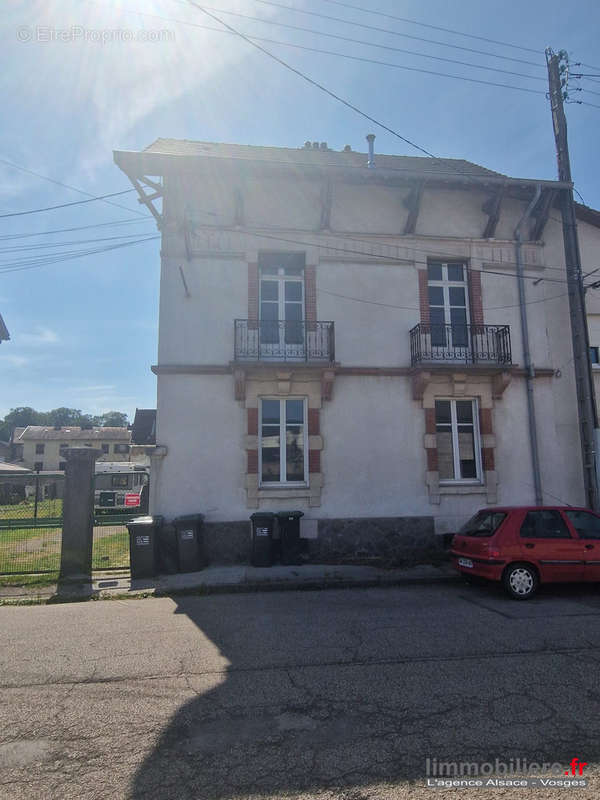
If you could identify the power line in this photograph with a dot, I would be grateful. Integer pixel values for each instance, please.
(432, 27)
(67, 186)
(311, 81)
(116, 222)
(46, 245)
(375, 28)
(59, 258)
(395, 259)
(416, 308)
(429, 252)
(409, 69)
(349, 39)
(65, 205)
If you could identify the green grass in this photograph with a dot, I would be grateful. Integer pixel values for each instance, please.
(34, 550)
(26, 509)
(111, 551)
(31, 581)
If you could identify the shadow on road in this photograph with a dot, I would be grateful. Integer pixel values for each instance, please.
(335, 691)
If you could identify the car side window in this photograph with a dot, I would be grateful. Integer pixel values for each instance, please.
(587, 525)
(544, 525)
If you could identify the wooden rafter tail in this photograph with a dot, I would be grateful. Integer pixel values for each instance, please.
(413, 203)
(147, 199)
(541, 214)
(492, 207)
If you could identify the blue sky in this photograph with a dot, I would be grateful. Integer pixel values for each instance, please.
(84, 332)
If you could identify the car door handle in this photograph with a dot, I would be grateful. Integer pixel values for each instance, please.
(529, 545)
(589, 547)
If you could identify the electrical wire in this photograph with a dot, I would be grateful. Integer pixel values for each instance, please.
(311, 81)
(59, 258)
(429, 253)
(21, 168)
(339, 37)
(46, 245)
(65, 205)
(116, 222)
(375, 28)
(432, 27)
(395, 259)
(364, 59)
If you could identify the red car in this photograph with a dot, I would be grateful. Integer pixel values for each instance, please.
(528, 545)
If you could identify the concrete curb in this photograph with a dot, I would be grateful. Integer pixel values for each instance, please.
(239, 583)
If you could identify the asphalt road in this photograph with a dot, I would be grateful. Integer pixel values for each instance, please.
(337, 694)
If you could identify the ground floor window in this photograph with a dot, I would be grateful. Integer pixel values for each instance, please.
(283, 445)
(457, 434)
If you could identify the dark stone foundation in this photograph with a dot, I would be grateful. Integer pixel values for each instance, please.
(379, 541)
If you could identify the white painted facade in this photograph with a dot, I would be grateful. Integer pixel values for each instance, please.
(373, 442)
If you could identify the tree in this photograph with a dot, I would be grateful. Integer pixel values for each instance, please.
(18, 418)
(64, 416)
(112, 419)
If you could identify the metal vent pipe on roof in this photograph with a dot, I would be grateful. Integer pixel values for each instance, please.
(371, 141)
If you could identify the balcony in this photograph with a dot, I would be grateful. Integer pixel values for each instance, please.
(284, 340)
(484, 345)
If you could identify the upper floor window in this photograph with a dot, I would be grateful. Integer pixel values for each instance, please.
(457, 434)
(448, 303)
(38, 466)
(104, 449)
(121, 448)
(283, 441)
(594, 355)
(39, 449)
(281, 301)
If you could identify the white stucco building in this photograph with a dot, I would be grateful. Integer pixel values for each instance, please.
(347, 340)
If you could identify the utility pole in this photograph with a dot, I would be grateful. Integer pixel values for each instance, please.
(583, 374)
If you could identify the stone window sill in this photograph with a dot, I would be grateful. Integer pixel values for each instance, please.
(462, 488)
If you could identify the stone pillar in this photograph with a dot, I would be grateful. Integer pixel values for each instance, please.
(78, 516)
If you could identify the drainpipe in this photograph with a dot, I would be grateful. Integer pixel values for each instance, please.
(529, 370)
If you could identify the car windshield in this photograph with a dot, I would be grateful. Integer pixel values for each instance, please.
(484, 523)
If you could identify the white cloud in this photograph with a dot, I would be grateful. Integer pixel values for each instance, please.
(40, 336)
(14, 361)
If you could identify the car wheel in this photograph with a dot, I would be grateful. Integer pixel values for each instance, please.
(521, 581)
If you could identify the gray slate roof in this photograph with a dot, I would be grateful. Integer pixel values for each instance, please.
(304, 156)
(4, 334)
(69, 433)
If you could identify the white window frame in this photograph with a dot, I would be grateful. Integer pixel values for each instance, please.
(478, 481)
(282, 444)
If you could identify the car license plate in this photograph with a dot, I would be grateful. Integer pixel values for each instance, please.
(465, 562)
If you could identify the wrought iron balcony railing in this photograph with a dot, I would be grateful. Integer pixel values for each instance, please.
(284, 340)
(466, 344)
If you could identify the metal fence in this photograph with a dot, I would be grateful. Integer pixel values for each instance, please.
(30, 523)
(31, 519)
(111, 541)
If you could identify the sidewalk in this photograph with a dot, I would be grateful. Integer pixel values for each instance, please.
(239, 578)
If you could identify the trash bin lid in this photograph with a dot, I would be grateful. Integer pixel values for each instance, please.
(288, 514)
(262, 515)
(145, 521)
(187, 518)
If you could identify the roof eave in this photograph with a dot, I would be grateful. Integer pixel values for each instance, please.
(137, 164)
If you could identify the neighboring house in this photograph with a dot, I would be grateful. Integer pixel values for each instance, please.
(346, 340)
(43, 448)
(4, 334)
(143, 430)
(143, 436)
